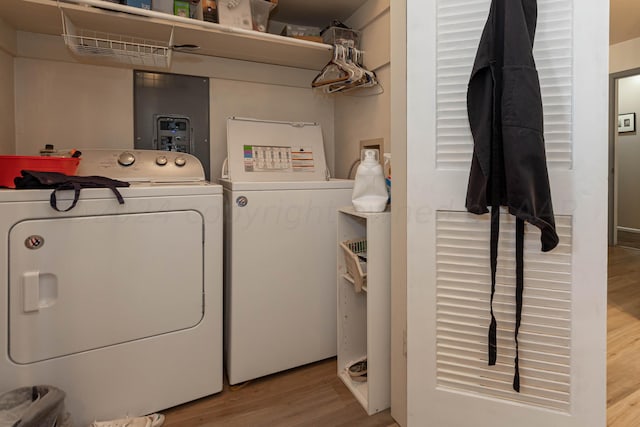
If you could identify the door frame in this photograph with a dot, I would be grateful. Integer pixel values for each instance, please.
(612, 227)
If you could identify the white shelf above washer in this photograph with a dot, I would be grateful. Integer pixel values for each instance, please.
(44, 16)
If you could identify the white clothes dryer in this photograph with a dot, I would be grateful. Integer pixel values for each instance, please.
(120, 306)
(280, 248)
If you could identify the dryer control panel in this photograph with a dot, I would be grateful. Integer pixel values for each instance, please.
(141, 165)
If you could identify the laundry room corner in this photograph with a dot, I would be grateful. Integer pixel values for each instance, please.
(7, 98)
(361, 118)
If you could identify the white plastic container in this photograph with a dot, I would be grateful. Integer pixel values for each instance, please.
(260, 10)
(369, 189)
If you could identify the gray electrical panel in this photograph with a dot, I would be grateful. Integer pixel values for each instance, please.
(173, 133)
(171, 112)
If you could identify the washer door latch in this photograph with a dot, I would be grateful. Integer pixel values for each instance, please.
(242, 201)
(34, 242)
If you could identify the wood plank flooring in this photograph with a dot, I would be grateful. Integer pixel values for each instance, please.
(623, 338)
(314, 396)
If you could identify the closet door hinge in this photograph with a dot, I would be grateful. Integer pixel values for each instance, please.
(404, 342)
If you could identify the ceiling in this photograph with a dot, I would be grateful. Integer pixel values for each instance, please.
(315, 13)
(624, 20)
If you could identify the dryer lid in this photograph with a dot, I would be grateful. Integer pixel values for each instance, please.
(268, 151)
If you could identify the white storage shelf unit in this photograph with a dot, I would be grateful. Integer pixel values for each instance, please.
(364, 317)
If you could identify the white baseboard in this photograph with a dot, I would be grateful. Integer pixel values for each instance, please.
(629, 230)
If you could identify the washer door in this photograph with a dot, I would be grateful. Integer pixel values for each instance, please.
(77, 284)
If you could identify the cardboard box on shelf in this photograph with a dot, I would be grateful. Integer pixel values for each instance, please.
(209, 11)
(304, 32)
(142, 4)
(292, 30)
(164, 6)
(181, 8)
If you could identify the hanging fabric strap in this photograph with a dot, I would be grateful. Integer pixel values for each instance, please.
(519, 292)
(76, 187)
(493, 327)
(59, 181)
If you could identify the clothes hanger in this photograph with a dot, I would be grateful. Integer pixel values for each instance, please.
(344, 59)
(354, 73)
(345, 72)
(365, 78)
(331, 73)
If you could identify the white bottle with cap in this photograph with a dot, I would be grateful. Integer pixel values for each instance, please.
(369, 189)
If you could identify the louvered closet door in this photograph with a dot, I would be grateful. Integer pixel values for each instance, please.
(563, 333)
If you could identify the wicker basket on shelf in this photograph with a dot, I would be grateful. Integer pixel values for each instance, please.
(355, 256)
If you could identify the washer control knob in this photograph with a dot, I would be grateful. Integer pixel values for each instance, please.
(180, 161)
(126, 159)
(161, 160)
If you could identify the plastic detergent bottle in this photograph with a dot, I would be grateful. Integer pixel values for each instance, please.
(387, 173)
(369, 189)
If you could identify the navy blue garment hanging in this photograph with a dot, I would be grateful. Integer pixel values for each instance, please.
(509, 165)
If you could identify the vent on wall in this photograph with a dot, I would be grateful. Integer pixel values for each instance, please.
(459, 26)
(462, 311)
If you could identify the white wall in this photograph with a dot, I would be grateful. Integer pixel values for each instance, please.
(361, 116)
(624, 56)
(70, 104)
(6, 104)
(628, 154)
(7, 113)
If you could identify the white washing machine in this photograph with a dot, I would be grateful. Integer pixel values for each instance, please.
(118, 305)
(280, 248)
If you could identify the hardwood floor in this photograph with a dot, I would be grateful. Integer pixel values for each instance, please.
(312, 395)
(623, 338)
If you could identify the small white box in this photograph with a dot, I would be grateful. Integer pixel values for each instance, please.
(235, 13)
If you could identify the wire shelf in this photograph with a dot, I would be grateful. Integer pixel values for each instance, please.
(117, 48)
